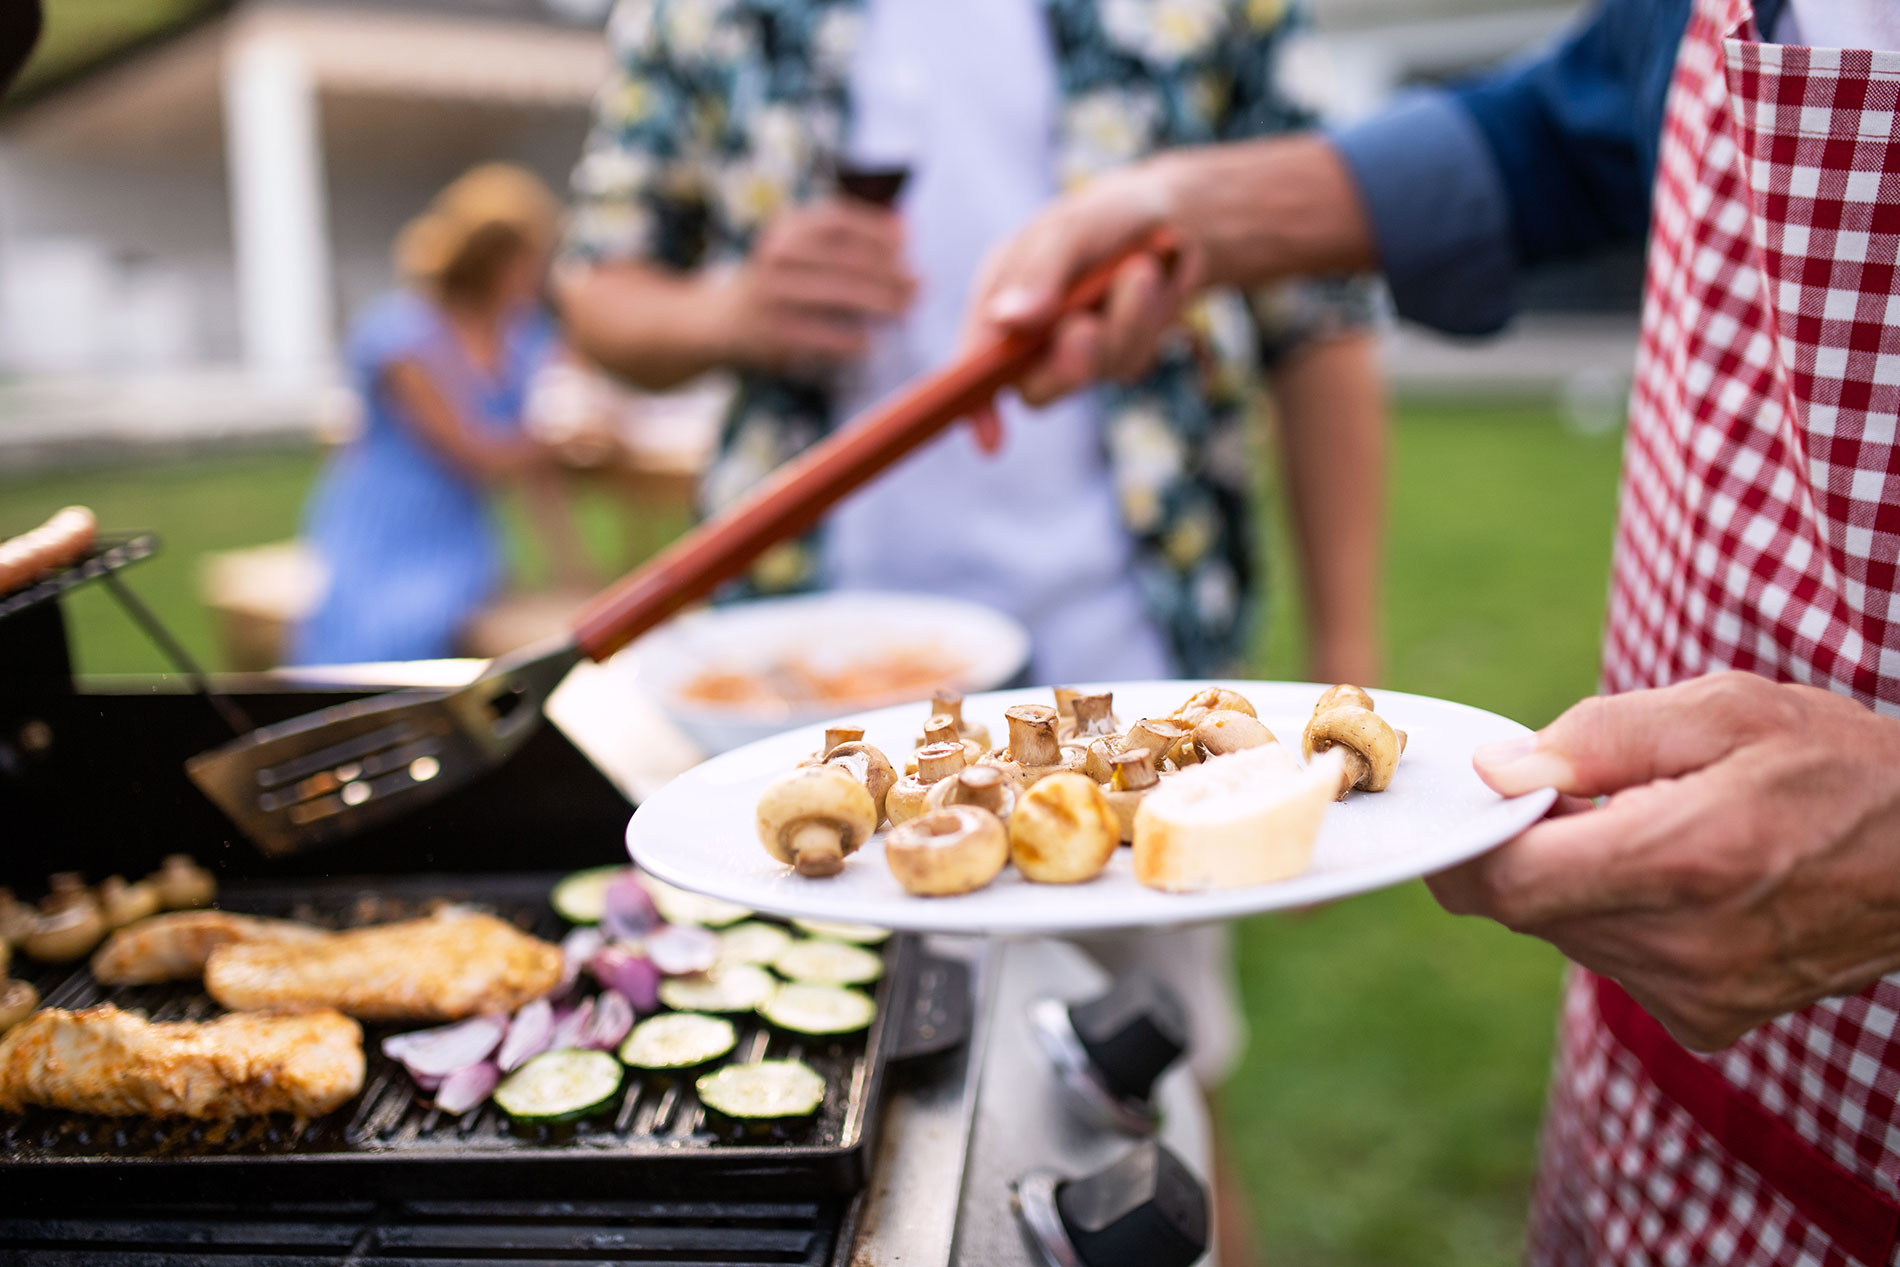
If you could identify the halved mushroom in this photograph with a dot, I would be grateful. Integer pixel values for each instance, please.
(182, 884)
(18, 999)
(1213, 699)
(935, 763)
(1370, 745)
(1034, 751)
(1133, 778)
(1228, 730)
(1063, 831)
(868, 765)
(814, 816)
(123, 903)
(983, 786)
(954, 850)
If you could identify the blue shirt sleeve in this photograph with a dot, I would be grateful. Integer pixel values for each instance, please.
(1547, 159)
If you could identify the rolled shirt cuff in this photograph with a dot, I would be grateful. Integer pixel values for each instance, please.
(1439, 212)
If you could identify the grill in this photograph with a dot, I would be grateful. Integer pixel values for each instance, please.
(390, 1142)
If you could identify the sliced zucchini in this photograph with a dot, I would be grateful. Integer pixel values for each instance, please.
(582, 897)
(828, 963)
(738, 987)
(861, 934)
(752, 943)
(677, 906)
(818, 1009)
(678, 1040)
(769, 1091)
(560, 1086)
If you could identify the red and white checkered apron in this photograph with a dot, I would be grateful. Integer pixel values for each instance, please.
(1760, 528)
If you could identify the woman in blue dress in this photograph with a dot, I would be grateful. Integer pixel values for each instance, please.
(401, 518)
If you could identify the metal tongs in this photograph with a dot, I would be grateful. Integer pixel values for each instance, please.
(323, 777)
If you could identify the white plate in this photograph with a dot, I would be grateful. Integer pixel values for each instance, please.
(826, 630)
(698, 831)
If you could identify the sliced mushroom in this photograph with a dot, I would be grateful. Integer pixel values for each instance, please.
(1133, 778)
(815, 816)
(18, 999)
(1063, 831)
(123, 903)
(954, 850)
(868, 765)
(935, 763)
(983, 786)
(182, 884)
(1369, 743)
(1228, 730)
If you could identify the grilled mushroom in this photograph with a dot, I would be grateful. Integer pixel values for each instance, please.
(935, 763)
(1034, 752)
(1228, 730)
(867, 765)
(1344, 719)
(124, 903)
(70, 924)
(16, 918)
(1063, 831)
(983, 786)
(1133, 778)
(955, 850)
(1093, 717)
(950, 704)
(943, 729)
(834, 735)
(182, 884)
(814, 816)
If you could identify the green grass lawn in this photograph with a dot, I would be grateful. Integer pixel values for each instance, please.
(1386, 1115)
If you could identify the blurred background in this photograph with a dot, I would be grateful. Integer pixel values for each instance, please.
(195, 196)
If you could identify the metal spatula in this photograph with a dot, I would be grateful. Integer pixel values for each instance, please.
(323, 777)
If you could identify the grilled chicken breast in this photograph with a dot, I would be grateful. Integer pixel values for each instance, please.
(117, 1063)
(175, 947)
(456, 963)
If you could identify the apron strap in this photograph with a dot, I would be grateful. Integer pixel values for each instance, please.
(1859, 1218)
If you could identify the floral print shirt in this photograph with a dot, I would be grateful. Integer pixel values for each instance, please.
(723, 112)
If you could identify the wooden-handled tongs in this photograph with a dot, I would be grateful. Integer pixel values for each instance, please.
(322, 777)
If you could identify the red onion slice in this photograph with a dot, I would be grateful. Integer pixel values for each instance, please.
(441, 1052)
(678, 949)
(613, 1017)
(626, 969)
(629, 912)
(568, 1024)
(466, 1088)
(528, 1035)
(577, 948)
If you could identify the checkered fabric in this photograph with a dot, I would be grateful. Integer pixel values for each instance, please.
(1760, 526)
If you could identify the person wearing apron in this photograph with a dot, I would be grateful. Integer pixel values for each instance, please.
(1727, 1085)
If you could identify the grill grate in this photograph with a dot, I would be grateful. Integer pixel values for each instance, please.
(728, 1233)
(396, 1144)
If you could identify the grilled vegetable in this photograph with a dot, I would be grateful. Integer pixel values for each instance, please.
(582, 897)
(560, 1086)
(828, 963)
(678, 1040)
(766, 1092)
(818, 1009)
(752, 943)
(17, 1001)
(735, 988)
(862, 934)
(677, 906)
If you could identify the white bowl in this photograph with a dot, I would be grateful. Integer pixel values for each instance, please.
(825, 630)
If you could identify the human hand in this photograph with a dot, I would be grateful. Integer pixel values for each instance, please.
(818, 276)
(1745, 864)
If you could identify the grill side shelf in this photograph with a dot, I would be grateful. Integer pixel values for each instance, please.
(390, 1141)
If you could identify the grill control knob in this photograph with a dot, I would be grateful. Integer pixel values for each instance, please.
(1132, 1033)
(1145, 1210)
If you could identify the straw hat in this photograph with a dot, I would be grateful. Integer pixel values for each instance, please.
(488, 195)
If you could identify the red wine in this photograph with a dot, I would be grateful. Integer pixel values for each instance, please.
(877, 185)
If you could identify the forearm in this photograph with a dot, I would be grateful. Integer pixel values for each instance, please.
(1267, 209)
(654, 328)
(1329, 401)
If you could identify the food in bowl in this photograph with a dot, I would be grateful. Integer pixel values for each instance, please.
(797, 682)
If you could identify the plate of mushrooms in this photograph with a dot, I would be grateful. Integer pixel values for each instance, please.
(1125, 805)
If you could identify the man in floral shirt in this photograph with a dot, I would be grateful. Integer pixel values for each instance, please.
(706, 235)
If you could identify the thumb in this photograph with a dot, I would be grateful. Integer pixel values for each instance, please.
(1609, 743)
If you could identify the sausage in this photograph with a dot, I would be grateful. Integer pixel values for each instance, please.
(57, 543)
